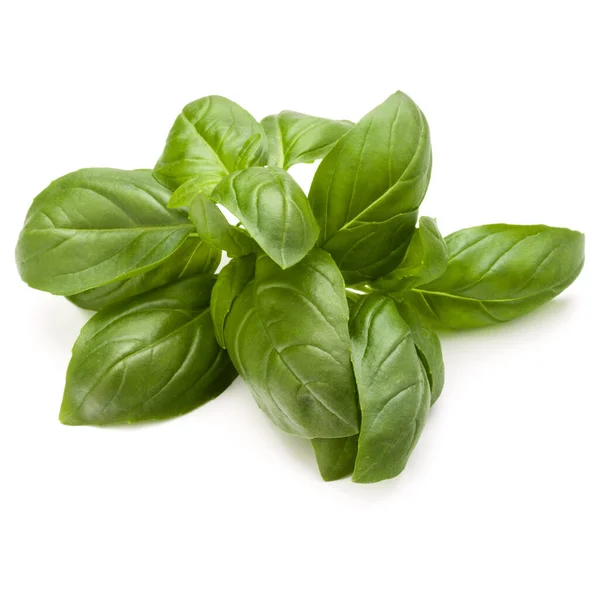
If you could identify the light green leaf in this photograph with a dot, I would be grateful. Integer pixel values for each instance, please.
(367, 190)
(298, 138)
(499, 272)
(152, 357)
(96, 226)
(211, 138)
(287, 335)
(273, 209)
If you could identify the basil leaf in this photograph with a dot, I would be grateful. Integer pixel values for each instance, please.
(367, 191)
(428, 348)
(212, 226)
(151, 357)
(96, 226)
(274, 210)
(231, 281)
(336, 457)
(184, 195)
(191, 258)
(499, 272)
(426, 259)
(393, 390)
(287, 335)
(211, 138)
(298, 138)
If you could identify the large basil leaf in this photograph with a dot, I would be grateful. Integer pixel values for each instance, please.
(393, 390)
(287, 334)
(273, 209)
(298, 138)
(212, 226)
(231, 281)
(336, 457)
(96, 226)
(191, 258)
(367, 191)
(426, 259)
(499, 272)
(151, 357)
(428, 347)
(211, 138)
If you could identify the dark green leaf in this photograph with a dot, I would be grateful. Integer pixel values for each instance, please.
(298, 138)
(287, 334)
(212, 226)
(367, 191)
(152, 357)
(96, 226)
(191, 258)
(393, 390)
(426, 259)
(231, 281)
(428, 347)
(211, 138)
(336, 457)
(499, 272)
(273, 209)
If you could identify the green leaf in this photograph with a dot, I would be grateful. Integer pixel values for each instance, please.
(273, 209)
(152, 357)
(96, 226)
(428, 347)
(499, 272)
(336, 457)
(191, 258)
(393, 390)
(231, 281)
(287, 335)
(298, 138)
(367, 190)
(212, 226)
(184, 195)
(211, 138)
(426, 259)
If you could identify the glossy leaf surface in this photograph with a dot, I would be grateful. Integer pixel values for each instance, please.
(392, 385)
(151, 357)
(231, 281)
(426, 259)
(287, 334)
(96, 226)
(211, 138)
(191, 258)
(367, 191)
(298, 138)
(499, 272)
(273, 209)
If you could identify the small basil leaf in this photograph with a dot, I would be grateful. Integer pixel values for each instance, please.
(211, 138)
(366, 193)
(393, 390)
(298, 138)
(191, 258)
(428, 347)
(96, 226)
(185, 193)
(152, 357)
(499, 272)
(212, 226)
(336, 457)
(426, 259)
(274, 210)
(287, 334)
(231, 281)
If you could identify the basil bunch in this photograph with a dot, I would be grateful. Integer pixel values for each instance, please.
(329, 304)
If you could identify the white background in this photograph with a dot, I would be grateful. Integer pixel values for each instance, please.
(500, 498)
